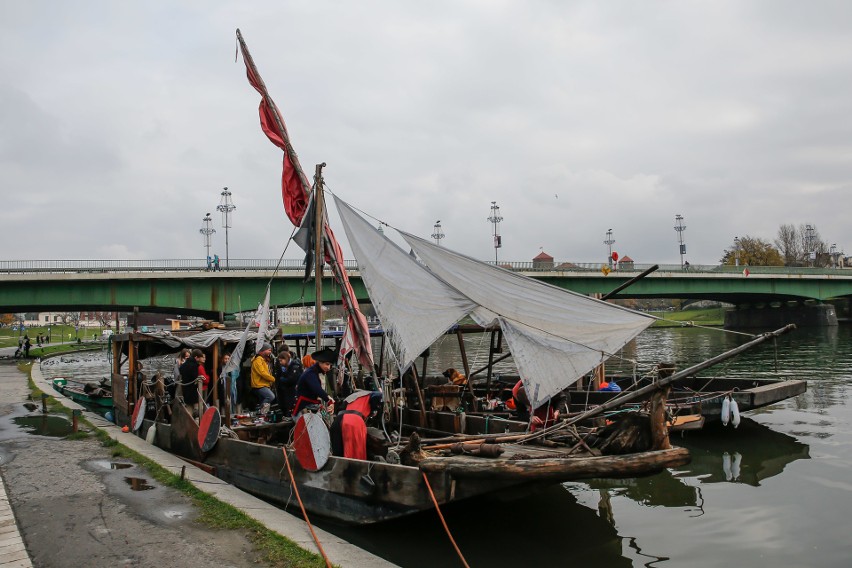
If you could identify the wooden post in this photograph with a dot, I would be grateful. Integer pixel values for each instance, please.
(466, 367)
(659, 432)
(419, 396)
(214, 377)
(131, 375)
(491, 352)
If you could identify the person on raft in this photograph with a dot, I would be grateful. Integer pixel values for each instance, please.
(349, 429)
(309, 389)
(543, 416)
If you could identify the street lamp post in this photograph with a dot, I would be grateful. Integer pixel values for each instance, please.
(736, 251)
(437, 232)
(680, 227)
(207, 231)
(833, 251)
(226, 206)
(609, 242)
(809, 244)
(495, 219)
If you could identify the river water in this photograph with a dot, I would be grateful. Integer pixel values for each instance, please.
(773, 492)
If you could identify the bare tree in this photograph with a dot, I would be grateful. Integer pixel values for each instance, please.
(788, 243)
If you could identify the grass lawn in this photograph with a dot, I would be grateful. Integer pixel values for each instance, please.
(57, 334)
(708, 316)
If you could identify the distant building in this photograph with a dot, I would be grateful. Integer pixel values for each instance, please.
(542, 261)
(626, 263)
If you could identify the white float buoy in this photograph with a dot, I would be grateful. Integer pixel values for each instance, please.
(726, 411)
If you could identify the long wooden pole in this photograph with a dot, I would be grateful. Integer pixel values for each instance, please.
(633, 395)
(318, 260)
(630, 282)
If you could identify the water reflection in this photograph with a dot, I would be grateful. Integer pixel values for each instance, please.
(747, 455)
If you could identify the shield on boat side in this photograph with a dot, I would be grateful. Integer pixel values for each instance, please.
(138, 414)
(311, 442)
(208, 430)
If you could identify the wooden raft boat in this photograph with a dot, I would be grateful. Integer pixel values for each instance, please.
(84, 393)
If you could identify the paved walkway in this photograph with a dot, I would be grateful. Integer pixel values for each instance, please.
(13, 554)
(340, 552)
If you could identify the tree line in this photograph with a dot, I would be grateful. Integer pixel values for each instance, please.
(794, 246)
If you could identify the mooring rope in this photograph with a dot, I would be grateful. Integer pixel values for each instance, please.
(304, 513)
(444, 522)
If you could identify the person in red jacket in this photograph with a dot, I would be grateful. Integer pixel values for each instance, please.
(349, 429)
(544, 416)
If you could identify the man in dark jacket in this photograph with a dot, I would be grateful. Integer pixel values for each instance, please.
(287, 371)
(309, 388)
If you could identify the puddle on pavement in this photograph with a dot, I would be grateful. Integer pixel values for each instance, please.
(138, 483)
(44, 425)
(109, 464)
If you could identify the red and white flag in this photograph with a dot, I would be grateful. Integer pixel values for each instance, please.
(295, 190)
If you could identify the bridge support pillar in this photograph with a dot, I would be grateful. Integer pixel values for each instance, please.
(803, 315)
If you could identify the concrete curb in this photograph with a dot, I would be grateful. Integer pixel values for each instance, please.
(339, 551)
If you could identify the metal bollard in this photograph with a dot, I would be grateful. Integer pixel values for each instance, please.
(44, 403)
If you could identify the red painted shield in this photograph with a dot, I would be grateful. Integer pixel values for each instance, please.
(208, 429)
(311, 442)
(138, 414)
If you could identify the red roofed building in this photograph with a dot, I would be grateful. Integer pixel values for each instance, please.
(543, 260)
(626, 263)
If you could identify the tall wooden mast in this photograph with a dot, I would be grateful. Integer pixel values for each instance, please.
(319, 207)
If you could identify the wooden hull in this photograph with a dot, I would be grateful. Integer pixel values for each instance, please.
(362, 492)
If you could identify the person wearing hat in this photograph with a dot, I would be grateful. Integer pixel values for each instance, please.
(349, 429)
(309, 387)
(262, 381)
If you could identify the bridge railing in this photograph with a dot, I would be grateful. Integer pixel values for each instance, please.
(287, 265)
(169, 265)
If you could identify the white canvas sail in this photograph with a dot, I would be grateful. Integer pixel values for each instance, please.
(555, 336)
(262, 318)
(415, 308)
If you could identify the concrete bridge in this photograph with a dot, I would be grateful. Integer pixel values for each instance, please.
(186, 287)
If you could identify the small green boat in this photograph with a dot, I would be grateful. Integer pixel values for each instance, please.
(91, 394)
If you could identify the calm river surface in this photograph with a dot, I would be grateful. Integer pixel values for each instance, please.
(774, 492)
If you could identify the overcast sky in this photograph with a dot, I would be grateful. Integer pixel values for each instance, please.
(121, 122)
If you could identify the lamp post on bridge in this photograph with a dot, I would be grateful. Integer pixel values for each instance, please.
(736, 251)
(207, 231)
(437, 232)
(226, 206)
(609, 242)
(680, 228)
(495, 219)
(833, 252)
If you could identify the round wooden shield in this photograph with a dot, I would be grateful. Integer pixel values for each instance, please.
(311, 442)
(138, 414)
(208, 430)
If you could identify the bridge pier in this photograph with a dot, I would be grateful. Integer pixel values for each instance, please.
(768, 316)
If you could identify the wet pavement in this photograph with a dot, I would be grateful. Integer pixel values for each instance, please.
(76, 505)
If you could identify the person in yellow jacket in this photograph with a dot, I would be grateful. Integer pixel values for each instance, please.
(262, 381)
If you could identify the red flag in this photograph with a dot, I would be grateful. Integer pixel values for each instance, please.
(295, 190)
(294, 184)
